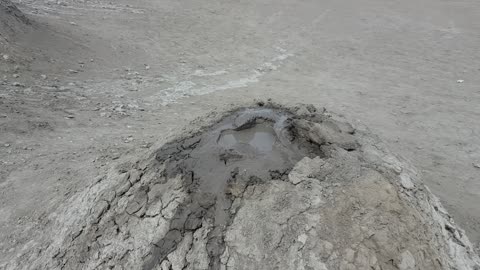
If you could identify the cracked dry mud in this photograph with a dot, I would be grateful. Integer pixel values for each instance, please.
(264, 187)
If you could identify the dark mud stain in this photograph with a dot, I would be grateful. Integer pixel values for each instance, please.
(246, 148)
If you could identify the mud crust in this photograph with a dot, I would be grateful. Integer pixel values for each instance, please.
(327, 196)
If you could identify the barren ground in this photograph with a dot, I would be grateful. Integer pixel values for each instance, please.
(122, 76)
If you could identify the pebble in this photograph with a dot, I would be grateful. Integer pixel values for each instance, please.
(129, 139)
(72, 71)
(147, 67)
(16, 75)
(407, 261)
(460, 81)
(17, 84)
(406, 181)
(7, 145)
(6, 57)
(476, 165)
(73, 23)
(302, 238)
(146, 145)
(43, 76)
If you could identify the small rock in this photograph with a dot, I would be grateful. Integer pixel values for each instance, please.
(109, 196)
(69, 117)
(154, 209)
(302, 238)
(17, 84)
(349, 254)
(115, 155)
(73, 23)
(43, 76)
(6, 57)
(460, 81)
(7, 145)
(16, 75)
(476, 165)
(72, 71)
(405, 181)
(146, 145)
(407, 261)
(98, 210)
(147, 67)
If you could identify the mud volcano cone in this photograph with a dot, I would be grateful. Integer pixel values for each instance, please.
(262, 187)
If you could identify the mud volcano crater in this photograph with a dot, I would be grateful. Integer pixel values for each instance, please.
(248, 147)
(262, 187)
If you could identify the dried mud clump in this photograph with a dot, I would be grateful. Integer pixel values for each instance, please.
(264, 187)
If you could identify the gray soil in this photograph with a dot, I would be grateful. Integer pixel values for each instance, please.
(91, 90)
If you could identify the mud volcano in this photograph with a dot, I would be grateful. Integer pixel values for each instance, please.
(247, 148)
(263, 187)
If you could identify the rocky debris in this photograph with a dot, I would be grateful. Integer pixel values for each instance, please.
(264, 187)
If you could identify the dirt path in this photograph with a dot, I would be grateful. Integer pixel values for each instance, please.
(122, 76)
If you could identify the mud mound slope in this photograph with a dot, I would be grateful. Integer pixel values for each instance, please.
(263, 187)
(12, 21)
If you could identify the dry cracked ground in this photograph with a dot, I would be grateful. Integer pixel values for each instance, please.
(96, 163)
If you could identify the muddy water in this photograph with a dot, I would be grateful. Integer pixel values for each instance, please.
(260, 138)
(251, 142)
